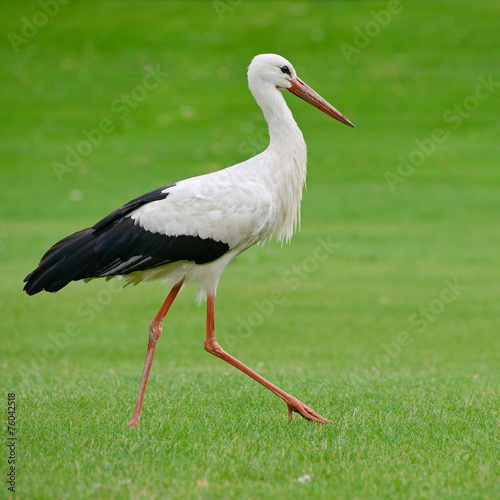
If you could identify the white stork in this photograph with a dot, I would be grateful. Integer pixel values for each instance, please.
(191, 230)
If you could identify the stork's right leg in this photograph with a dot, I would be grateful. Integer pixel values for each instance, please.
(213, 347)
(154, 334)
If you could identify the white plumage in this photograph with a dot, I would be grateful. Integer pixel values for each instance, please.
(241, 205)
(190, 231)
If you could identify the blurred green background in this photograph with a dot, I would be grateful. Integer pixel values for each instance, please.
(394, 337)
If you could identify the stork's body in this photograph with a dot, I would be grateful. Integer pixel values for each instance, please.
(190, 231)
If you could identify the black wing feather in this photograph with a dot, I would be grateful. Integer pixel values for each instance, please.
(129, 207)
(116, 245)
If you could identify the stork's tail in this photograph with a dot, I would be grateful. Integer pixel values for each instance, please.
(66, 261)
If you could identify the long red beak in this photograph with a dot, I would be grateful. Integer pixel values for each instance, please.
(302, 90)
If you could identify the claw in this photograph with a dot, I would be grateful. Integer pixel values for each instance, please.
(304, 411)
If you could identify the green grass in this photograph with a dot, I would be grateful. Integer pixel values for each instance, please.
(372, 337)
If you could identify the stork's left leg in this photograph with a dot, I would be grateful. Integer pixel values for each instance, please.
(213, 347)
(154, 334)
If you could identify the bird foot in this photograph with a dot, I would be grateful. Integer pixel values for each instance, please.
(133, 424)
(294, 405)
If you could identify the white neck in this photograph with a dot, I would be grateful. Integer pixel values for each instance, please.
(286, 157)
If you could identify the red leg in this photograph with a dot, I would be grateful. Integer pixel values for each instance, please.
(212, 346)
(154, 334)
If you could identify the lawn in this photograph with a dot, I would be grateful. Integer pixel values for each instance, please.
(393, 334)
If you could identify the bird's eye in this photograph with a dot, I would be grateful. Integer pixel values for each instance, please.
(285, 70)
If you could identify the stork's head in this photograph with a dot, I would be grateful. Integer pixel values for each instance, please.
(274, 70)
